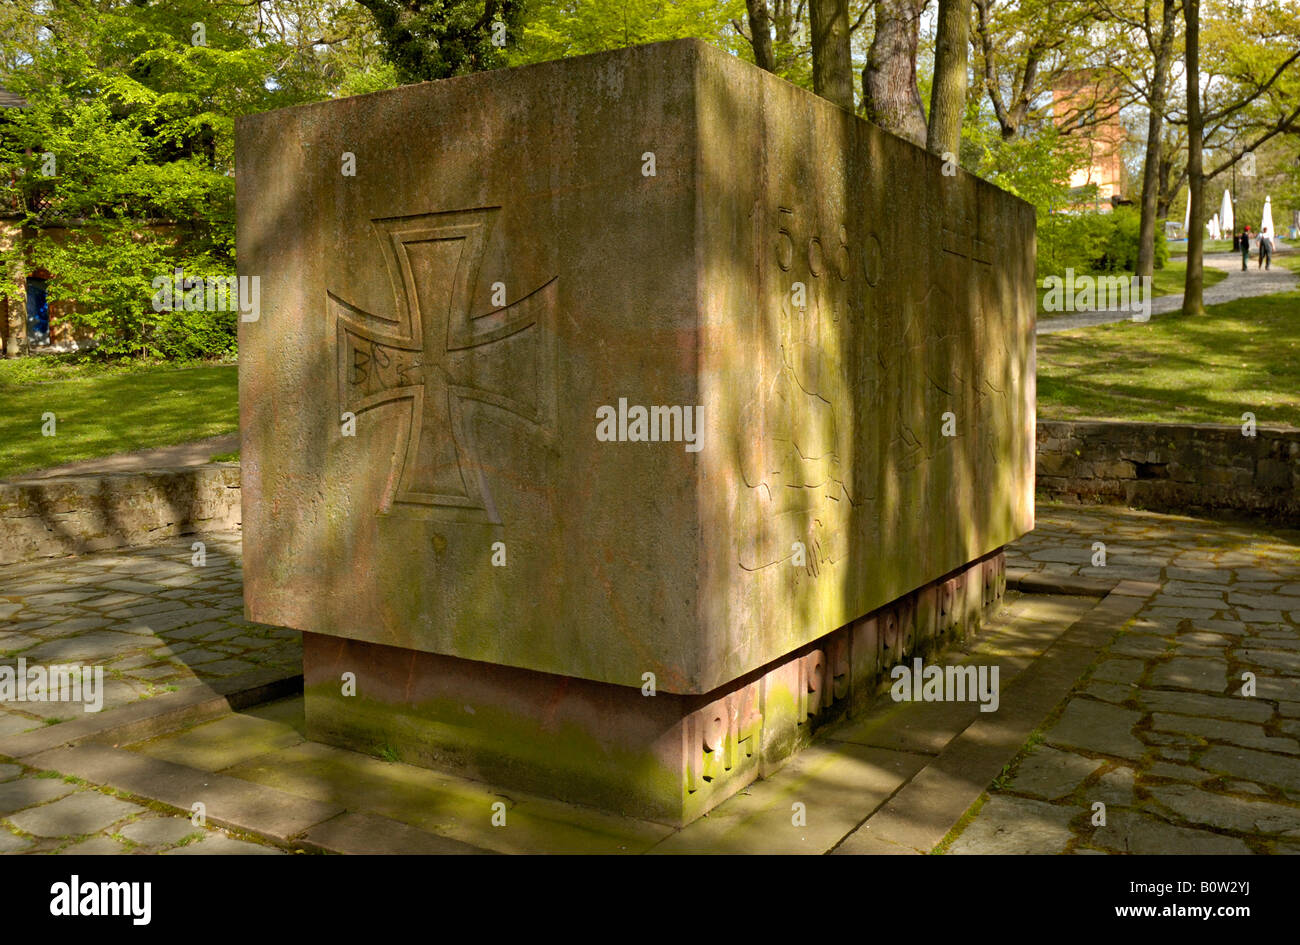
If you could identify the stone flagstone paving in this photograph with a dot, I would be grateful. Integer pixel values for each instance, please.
(1157, 731)
(153, 620)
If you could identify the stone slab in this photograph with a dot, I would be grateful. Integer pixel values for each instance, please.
(229, 802)
(476, 305)
(372, 834)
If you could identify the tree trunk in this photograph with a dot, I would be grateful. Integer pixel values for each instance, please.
(889, 89)
(1155, 122)
(1193, 297)
(948, 93)
(760, 29)
(832, 58)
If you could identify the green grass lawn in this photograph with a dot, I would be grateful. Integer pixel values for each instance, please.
(105, 409)
(1166, 281)
(1241, 356)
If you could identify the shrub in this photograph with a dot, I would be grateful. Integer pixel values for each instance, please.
(1094, 242)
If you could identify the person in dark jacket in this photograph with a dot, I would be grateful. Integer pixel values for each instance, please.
(1265, 250)
(1245, 247)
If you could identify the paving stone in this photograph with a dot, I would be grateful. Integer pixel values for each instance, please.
(12, 843)
(28, 791)
(95, 645)
(1259, 766)
(218, 844)
(11, 723)
(1132, 832)
(1051, 774)
(370, 834)
(1274, 687)
(1240, 708)
(1142, 645)
(96, 846)
(1224, 731)
(1097, 727)
(255, 643)
(1164, 769)
(1234, 628)
(1119, 671)
(159, 831)
(1231, 813)
(1180, 613)
(9, 771)
(228, 668)
(1015, 826)
(1207, 675)
(17, 642)
(198, 657)
(1111, 692)
(1207, 638)
(84, 812)
(1246, 615)
(1114, 788)
(1287, 664)
(1244, 787)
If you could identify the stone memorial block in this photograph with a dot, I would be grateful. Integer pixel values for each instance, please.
(641, 371)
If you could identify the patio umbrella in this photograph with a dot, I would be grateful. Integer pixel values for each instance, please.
(1267, 223)
(1225, 212)
(1214, 227)
(1187, 217)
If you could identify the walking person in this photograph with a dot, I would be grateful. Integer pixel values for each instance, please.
(1265, 250)
(1245, 247)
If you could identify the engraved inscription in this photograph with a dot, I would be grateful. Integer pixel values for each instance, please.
(720, 737)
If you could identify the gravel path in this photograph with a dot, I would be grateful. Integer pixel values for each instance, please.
(1238, 285)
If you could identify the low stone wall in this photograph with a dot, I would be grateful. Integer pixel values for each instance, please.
(41, 518)
(1172, 467)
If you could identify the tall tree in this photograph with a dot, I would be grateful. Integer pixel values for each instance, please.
(1024, 47)
(1194, 284)
(760, 34)
(1252, 94)
(1162, 48)
(832, 57)
(948, 92)
(889, 90)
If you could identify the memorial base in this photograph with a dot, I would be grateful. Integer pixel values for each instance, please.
(664, 757)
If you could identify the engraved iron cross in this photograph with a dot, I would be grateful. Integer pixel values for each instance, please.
(441, 358)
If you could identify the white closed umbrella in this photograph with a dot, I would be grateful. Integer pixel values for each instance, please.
(1187, 217)
(1214, 227)
(1266, 226)
(1225, 212)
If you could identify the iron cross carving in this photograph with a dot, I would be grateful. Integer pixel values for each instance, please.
(444, 360)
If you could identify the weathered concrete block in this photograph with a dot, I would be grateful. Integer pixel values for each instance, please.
(475, 304)
(654, 367)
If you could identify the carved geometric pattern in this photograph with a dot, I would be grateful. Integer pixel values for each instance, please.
(435, 354)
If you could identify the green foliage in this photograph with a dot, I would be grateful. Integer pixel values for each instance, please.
(435, 39)
(1091, 241)
(135, 106)
(557, 29)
